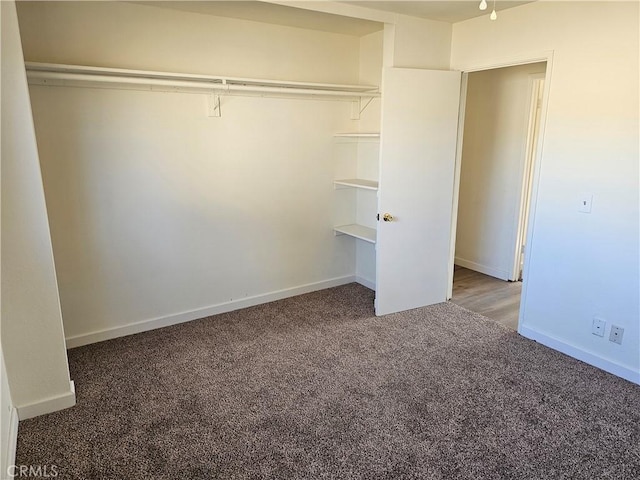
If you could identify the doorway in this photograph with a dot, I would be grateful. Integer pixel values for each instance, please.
(488, 296)
(500, 136)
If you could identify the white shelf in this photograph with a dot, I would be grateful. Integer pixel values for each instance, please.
(358, 135)
(88, 76)
(358, 231)
(357, 183)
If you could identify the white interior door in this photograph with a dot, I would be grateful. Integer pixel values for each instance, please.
(417, 159)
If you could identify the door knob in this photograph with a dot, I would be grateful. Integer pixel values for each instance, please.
(387, 217)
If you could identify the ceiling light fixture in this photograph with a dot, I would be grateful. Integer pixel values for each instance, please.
(494, 15)
(483, 5)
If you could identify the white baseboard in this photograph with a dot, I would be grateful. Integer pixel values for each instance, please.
(371, 284)
(48, 405)
(582, 355)
(12, 442)
(477, 267)
(159, 322)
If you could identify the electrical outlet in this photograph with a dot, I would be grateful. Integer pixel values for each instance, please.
(616, 334)
(598, 326)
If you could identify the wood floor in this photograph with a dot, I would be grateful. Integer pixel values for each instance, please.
(491, 297)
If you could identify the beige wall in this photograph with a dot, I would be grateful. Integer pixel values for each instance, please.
(160, 212)
(581, 265)
(421, 43)
(493, 158)
(124, 35)
(32, 337)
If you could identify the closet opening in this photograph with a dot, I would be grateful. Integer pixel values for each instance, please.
(500, 129)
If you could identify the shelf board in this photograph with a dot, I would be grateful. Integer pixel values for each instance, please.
(357, 183)
(358, 135)
(358, 231)
(82, 75)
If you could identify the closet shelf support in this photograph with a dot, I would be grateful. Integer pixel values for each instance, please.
(357, 107)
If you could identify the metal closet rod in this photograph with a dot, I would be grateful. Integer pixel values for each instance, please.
(49, 74)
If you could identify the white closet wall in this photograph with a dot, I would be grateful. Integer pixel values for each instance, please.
(160, 213)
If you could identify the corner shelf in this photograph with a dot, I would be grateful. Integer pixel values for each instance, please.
(358, 231)
(357, 183)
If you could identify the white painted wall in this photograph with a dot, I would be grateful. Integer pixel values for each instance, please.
(159, 213)
(32, 337)
(492, 170)
(421, 43)
(580, 265)
(124, 35)
(370, 73)
(371, 47)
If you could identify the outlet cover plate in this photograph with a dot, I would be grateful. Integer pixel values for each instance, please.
(616, 334)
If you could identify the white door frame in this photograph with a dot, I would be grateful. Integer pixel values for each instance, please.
(464, 82)
(532, 134)
(546, 56)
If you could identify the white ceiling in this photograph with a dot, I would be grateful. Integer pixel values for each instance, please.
(450, 11)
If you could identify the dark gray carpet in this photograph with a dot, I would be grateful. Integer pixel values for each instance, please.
(317, 387)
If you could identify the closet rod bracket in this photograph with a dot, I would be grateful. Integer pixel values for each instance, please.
(213, 105)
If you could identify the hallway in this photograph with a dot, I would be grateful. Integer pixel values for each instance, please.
(491, 297)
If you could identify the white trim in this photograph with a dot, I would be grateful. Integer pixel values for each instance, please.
(165, 321)
(462, 111)
(582, 355)
(477, 267)
(12, 442)
(533, 202)
(371, 284)
(48, 405)
(523, 59)
(531, 134)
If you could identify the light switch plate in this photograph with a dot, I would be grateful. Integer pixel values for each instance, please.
(598, 326)
(585, 203)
